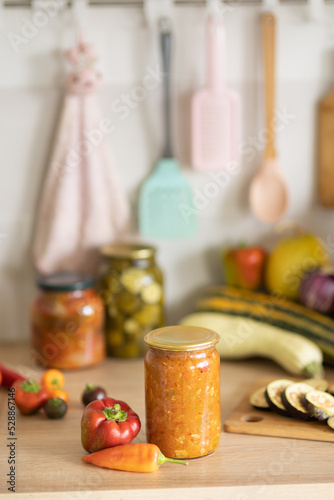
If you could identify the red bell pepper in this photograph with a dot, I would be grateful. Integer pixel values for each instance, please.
(29, 396)
(244, 267)
(106, 423)
(9, 377)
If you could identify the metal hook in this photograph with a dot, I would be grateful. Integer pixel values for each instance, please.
(79, 10)
(316, 12)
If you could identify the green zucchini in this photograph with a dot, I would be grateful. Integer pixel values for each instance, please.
(330, 389)
(242, 338)
(291, 398)
(319, 404)
(273, 311)
(258, 399)
(330, 422)
(273, 395)
(317, 383)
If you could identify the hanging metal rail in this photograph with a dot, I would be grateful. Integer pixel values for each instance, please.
(139, 3)
(101, 3)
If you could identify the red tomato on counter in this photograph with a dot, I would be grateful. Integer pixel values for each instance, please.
(244, 267)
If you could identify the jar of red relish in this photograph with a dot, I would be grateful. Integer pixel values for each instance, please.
(67, 319)
(182, 391)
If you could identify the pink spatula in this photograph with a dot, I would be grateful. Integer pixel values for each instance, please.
(215, 109)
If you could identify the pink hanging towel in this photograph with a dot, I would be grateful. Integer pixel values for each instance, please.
(82, 206)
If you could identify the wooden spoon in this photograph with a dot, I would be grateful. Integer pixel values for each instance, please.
(268, 193)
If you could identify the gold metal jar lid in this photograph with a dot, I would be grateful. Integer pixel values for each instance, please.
(182, 338)
(128, 251)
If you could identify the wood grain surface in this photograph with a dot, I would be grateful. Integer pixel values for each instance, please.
(268, 22)
(48, 453)
(247, 420)
(326, 150)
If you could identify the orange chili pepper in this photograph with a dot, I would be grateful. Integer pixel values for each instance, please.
(135, 457)
(58, 393)
(53, 379)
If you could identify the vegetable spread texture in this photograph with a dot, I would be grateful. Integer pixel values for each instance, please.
(183, 401)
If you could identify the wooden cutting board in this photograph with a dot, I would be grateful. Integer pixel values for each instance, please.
(246, 420)
(326, 150)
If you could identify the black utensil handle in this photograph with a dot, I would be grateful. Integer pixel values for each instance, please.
(166, 50)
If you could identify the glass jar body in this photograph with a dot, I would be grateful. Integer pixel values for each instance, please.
(132, 291)
(67, 328)
(182, 396)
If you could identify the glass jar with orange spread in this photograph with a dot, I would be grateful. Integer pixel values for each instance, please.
(182, 391)
(67, 318)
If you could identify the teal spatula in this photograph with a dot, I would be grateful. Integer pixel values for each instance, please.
(166, 207)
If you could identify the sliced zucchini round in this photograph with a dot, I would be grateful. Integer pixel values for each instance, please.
(319, 404)
(317, 383)
(291, 398)
(273, 394)
(330, 389)
(258, 400)
(330, 422)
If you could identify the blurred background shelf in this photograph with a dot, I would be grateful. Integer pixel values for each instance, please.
(140, 3)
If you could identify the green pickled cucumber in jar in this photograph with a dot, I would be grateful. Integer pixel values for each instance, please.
(131, 287)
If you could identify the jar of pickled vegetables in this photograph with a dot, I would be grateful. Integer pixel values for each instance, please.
(182, 391)
(131, 286)
(67, 319)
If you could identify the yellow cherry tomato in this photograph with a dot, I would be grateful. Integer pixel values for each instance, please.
(53, 379)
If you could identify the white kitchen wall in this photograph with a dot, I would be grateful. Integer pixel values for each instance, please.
(31, 90)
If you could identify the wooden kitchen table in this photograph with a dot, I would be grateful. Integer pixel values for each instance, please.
(244, 467)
